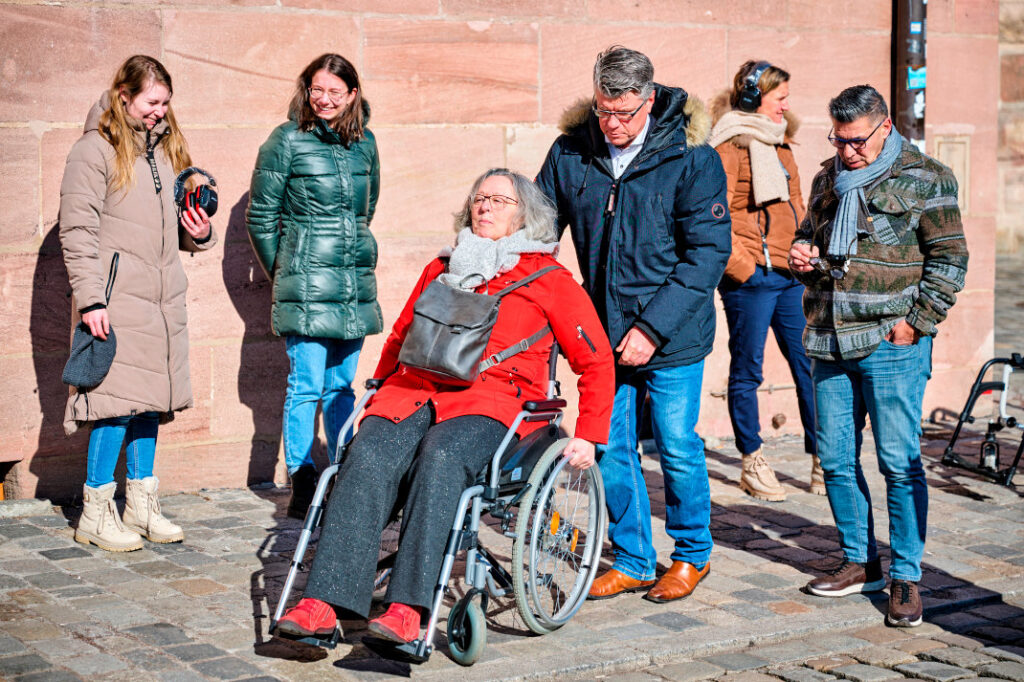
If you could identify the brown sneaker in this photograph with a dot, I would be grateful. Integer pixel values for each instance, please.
(849, 578)
(817, 477)
(904, 605)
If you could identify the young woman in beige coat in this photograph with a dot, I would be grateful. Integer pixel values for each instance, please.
(116, 199)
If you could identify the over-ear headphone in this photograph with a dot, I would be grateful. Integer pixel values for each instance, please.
(203, 196)
(750, 94)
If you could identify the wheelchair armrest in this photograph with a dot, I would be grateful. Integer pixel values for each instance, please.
(373, 383)
(544, 405)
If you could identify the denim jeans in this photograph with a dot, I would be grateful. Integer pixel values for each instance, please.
(322, 370)
(675, 405)
(888, 386)
(106, 439)
(766, 300)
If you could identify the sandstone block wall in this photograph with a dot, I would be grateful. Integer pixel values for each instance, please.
(456, 86)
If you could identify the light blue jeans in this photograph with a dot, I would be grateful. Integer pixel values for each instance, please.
(888, 386)
(106, 439)
(322, 371)
(675, 405)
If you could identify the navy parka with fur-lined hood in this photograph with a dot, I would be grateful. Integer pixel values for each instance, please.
(668, 230)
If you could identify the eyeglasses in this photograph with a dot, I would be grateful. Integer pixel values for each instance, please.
(622, 116)
(497, 202)
(857, 143)
(336, 96)
(836, 267)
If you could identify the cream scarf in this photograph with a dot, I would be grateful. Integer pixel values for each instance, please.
(770, 179)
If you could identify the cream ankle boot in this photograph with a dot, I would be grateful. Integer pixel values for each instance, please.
(758, 480)
(142, 512)
(817, 476)
(100, 523)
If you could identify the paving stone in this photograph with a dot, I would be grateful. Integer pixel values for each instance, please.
(1008, 670)
(159, 634)
(672, 620)
(748, 611)
(691, 671)
(31, 629)
(767, 581)
(788, 608)
(884, 657)
(64, 553)
(918, 645)
(25, 663)
(826, 664)
(882, 634)
(636, 676)
(50, 676)
(859, 672)
(953, 639)
(633, 631)
(227, 668)
(958, 656)
(75, 591)
(934, 672)
(9, 582)
(52, 580)
(736, 661)
(802, 675)
(959, 621)
(224, 522)
(93, 664)
(998, 633)
(1005, 653)
(17, 531)
(194, 652)
(747, 676)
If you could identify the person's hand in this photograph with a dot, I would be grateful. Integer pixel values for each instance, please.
(635, 349)
(196, 223)
(581, 453)
(903, 334)
(800, 256)
(98, 322)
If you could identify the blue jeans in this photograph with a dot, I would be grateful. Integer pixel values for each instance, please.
(106, 439)
(888, 386)
(766, 300)
(675, 405)
(322, 370)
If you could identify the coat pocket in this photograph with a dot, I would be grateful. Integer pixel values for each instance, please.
(894, 216)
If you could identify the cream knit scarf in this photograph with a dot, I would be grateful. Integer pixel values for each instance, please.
(476, 260)
(770, 179)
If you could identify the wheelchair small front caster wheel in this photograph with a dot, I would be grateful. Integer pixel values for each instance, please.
(467, 631)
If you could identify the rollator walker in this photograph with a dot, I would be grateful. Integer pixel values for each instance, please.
(554, 513)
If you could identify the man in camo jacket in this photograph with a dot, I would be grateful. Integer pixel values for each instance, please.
(882, 254)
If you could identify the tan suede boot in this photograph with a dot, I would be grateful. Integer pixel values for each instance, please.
(142, 512)
(817, 476)
(100, 523)
(758, 480)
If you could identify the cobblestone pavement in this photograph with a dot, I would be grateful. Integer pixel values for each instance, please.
(200, 610)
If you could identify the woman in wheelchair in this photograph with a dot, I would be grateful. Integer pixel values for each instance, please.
(428, 440)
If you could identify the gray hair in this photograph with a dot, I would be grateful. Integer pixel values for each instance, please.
(855, 102)
(534, 213)
(619, 70)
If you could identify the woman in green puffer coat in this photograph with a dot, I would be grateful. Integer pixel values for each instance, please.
(313, 193)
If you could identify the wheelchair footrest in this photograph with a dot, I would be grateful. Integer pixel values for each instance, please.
(408, 652)
(328, 642)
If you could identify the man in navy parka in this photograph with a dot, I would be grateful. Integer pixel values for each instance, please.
(645, 199)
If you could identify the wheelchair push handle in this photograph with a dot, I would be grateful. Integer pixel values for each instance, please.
(373, 384)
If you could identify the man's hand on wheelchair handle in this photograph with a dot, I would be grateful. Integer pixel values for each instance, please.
(581, 453)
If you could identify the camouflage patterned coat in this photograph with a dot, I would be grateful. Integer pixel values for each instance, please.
(909, 266)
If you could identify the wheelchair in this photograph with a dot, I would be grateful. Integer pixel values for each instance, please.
(554, 514)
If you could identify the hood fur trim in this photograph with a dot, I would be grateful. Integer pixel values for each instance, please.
(698, 129)
(720, 106)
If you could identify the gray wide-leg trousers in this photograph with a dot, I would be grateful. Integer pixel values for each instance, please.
(435, 463)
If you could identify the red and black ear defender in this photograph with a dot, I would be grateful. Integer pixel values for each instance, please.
(203, 196)
(750, 94)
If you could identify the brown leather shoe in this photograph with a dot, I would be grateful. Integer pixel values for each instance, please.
(613, 583)
(677, 583)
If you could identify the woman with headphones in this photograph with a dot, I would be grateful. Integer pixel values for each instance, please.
(753, 130)
(120, 231)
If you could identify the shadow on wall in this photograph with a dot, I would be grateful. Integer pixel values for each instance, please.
(59, 461)
(263, 365)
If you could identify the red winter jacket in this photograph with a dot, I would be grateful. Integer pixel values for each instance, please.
(499, 392)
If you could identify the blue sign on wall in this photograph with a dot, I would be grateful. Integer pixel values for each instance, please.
(916, 78)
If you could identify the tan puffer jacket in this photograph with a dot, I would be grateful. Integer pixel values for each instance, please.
(748, 220)
(147, 306)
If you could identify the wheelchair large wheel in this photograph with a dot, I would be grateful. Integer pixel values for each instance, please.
(559, 532)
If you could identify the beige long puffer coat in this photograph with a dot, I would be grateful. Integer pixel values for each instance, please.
(147, 306)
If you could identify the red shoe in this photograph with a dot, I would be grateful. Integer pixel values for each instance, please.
(400, 623)
(309, 618)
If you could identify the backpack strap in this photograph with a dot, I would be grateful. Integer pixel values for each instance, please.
(514, 349)
(526, 280)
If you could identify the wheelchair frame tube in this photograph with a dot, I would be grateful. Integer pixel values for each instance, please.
(357, 410)
(446, 567)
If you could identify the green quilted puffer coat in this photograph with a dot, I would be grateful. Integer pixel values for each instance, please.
(310, 205)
